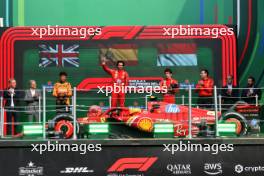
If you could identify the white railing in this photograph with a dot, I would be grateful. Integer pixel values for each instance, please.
(186, 100)
(1, 22)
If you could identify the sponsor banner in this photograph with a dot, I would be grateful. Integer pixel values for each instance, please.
(123, 160)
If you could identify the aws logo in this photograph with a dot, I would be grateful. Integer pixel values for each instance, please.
(213, 168)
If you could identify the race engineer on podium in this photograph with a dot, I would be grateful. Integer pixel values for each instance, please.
(205, 90)
(119, 79)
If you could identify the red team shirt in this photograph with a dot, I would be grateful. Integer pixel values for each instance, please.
(168, 82)
(206, 90)
(169, 97)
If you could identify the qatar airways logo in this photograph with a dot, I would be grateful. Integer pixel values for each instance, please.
(108, 90)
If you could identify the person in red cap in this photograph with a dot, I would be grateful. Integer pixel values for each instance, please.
(119, 79)
(170, 85)
(205, 90)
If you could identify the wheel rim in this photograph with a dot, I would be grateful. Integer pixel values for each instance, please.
(65, 127)
(238, 124)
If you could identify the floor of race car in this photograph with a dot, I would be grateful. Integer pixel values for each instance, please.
(121, 134)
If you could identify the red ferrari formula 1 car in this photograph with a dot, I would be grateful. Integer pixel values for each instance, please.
(157, 112)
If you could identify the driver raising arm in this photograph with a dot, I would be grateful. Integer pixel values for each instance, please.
(119, 79)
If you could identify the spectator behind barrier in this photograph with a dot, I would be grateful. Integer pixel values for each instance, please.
(32, 96)
(251, 91)
(12, 96)
(230, 93)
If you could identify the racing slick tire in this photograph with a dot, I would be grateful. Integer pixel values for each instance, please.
(63, 123)
(241, 122)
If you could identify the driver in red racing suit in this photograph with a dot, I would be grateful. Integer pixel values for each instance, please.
(171, 86)
(119, 79)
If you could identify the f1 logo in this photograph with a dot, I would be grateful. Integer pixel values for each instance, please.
(141, 164)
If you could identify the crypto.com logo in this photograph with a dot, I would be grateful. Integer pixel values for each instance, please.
(239, 168)
(140, 164)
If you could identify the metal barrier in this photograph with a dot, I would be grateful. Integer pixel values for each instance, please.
(188, 99)
(190, 113)
(44, 112)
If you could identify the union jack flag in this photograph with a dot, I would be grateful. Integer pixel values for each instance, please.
(59, 55)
